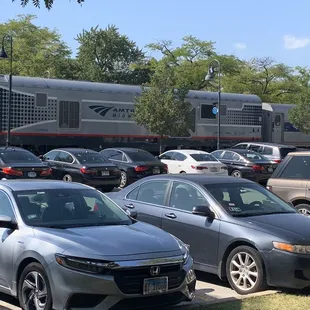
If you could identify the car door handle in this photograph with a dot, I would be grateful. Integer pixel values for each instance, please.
(170, 215)
(130, 206)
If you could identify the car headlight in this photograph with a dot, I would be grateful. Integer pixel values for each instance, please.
(83, 264)
(292, 248)
(184, 248)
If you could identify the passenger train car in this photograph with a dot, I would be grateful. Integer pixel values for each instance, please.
(277, 128)
(49, 113)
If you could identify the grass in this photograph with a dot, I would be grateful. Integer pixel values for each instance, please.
(270, 302)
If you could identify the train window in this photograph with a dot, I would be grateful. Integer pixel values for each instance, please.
(41, 100)
(277, 120)
(206, 111)
(69, 115)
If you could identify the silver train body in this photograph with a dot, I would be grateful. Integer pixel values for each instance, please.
(49, 113)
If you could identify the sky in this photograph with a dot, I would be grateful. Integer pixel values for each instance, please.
(244, 28)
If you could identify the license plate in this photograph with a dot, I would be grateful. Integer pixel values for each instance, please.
(155, 286)
(32, 174)
(270, 170)
(156, 171)
(213, 169)
(103, 173)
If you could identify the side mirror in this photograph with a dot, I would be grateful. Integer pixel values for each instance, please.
(133, 214)
(203, 211)
(7, 222)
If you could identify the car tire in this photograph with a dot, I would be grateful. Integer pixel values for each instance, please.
(250, 276)
(107, 189)
(29, 293)
(67, 178)
(303, 208)
(182, 172)
(124, 179)
(236, 174)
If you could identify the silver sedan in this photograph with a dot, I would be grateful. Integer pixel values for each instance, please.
(66, 245)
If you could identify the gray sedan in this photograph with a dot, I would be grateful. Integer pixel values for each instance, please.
(66, 245)
(236, 228)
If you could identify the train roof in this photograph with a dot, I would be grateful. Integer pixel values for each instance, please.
(277, 107)
(34, 82)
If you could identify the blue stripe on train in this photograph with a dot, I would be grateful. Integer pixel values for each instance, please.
(290, 127)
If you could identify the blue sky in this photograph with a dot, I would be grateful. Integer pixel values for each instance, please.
(246, 28)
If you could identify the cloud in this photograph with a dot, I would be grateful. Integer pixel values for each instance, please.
(291, 42)
(240, 46)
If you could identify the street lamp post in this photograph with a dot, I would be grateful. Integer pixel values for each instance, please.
(4, 55)
(209, 77)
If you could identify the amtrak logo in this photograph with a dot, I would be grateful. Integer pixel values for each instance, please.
(100, 109)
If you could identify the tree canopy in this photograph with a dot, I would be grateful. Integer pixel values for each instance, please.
(47, 3)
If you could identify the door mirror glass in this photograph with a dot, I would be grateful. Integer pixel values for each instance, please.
(203, 211)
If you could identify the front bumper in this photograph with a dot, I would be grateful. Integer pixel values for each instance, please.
(287, 270)
(78, 290)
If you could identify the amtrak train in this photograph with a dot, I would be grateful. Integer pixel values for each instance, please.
(49, 113)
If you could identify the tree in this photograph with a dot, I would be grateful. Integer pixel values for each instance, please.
(162, 109)
(47, 3)
(300, 114)
(37, 51)
(105, 55)
(191, 61)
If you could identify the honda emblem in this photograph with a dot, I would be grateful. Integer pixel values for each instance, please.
(155, 270)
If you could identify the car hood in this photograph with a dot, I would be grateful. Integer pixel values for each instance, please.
(119, 242)
(291, 226)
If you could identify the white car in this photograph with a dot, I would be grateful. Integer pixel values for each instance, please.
(192, 161)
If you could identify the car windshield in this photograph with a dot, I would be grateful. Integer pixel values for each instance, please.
(203, 157)
(247, 199)
(89, 158)
(253, 156)
(10, 157)
(64, 208)
(140, 156)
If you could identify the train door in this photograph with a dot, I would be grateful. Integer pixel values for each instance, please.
(278, 128)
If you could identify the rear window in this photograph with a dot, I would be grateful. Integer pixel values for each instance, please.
(254, 157)
(285, 150)
(10, 157)
(89, 158)
(203, 157)
(140, 156)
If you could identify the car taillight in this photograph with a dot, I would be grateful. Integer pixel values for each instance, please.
(141, 168)
(258, 168)
(11, 171)
(84, 170)
(224, 168)
(277, 161)
(269, 188)
(46, 172)
(199, 167)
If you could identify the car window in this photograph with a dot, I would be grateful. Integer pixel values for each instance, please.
(69, 208)
(90, 157)
(228, 155)
(297, 168)
(6, 207)
(167, 156)
(140, 155)
(178, 156)
(50, 155)
(217, 154)
(10, 157)
(133, 194)
(247, 199)
(253, 156)
(254, 147)
(185, 197)
(203, 157)
(240, 146)
(115, 155)
(64, 157)
(267, 150)
(153, 192)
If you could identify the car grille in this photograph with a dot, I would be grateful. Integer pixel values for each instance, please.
(130, 281)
